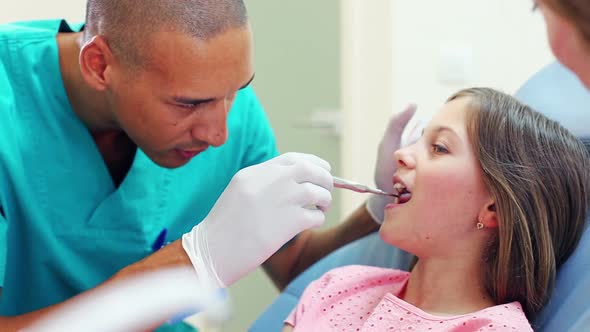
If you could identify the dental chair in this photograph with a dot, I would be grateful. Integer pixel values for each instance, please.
(557, 93)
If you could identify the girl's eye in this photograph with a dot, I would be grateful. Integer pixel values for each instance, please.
(439, 149)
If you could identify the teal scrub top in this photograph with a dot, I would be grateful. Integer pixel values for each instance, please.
(67, 227)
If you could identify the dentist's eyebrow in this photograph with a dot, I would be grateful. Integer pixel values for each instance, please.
(196, 101)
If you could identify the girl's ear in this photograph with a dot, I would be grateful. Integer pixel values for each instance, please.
(488, 216)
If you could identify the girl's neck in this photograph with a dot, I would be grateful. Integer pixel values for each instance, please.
(445, 288)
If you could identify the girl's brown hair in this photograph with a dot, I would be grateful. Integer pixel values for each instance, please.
(539, 176)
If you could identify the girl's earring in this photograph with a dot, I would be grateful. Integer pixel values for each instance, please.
(480, 225)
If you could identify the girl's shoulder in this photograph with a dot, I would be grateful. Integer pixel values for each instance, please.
(506, 316)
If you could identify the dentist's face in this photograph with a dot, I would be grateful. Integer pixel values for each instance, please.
(176, 105)
(445, 185)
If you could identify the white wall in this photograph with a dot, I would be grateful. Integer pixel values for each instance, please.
(506, 40)
(366, 99)
(497, 43)
(21, 10)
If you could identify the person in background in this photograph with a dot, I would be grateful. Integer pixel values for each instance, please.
(568, 31)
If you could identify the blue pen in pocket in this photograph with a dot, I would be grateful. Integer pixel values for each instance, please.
(160, 240)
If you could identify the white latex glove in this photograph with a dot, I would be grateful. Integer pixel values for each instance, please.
(263, 207)
(386, 165)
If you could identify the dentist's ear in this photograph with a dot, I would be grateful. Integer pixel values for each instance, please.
(95, 59)
(488, 215)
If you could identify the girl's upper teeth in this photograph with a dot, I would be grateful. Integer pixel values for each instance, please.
(398, 186)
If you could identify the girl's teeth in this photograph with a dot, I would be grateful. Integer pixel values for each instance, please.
(399, 187)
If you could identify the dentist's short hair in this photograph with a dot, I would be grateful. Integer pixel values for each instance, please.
(126, 24)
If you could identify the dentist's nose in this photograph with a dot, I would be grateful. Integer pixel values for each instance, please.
(213, 126)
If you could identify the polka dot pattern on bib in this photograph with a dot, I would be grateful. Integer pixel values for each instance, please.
(363, 298)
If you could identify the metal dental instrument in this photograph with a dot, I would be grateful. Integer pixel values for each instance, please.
(359, 188)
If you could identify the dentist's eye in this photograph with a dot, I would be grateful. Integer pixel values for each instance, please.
(189, 107)
(439, 149)
(185, 106)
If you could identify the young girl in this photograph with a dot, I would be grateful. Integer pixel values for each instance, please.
(493, 199)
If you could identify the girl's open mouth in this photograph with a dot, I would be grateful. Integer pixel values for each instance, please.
(404, 195)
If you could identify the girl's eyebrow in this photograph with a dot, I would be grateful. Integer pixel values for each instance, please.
(439, 129)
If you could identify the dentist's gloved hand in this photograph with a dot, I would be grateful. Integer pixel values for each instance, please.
(386, 165)
(263, 207)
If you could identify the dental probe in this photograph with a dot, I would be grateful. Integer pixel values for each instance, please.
(357, 187)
